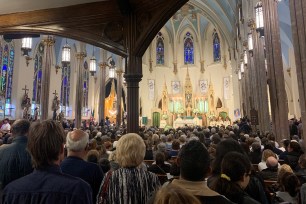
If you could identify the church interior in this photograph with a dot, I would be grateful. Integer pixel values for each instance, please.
(196, 62)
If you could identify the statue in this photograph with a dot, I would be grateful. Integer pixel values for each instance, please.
(61, 116)
(25, 114)
(55, 105)
(35, 114)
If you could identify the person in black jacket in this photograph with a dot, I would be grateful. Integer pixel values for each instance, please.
(15, 161)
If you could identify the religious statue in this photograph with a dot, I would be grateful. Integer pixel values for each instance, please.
(61, 116)
(35, 114)
(55, 105)
(25, 114)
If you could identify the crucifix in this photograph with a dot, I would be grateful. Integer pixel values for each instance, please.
(55, 94)
(25, 90)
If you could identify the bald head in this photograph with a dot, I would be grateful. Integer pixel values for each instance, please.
(272, 163)
(77, 141)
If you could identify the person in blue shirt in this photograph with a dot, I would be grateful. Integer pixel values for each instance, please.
(75, 164)
(47, 184)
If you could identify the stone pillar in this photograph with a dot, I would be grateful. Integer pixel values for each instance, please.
(79, 88)
(46, 73)
(102, 90)
(119, 95)
(276, 79)
(298, 21)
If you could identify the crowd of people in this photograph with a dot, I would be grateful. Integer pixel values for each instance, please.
(49, 162)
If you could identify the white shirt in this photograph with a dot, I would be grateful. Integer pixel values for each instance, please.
(6, 126)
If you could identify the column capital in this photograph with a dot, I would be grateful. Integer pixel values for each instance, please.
(119, 71)
(80, 55)
(133, 77)
(102, 65)
(49, 41)
(251, 24)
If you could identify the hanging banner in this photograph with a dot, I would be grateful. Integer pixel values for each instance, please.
(226, 88)
(176, 86)
(151, 85)
(203, 86)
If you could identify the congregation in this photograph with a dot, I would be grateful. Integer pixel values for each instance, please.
(48, 162)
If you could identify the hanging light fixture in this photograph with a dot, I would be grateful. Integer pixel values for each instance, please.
(93, 63)
(26, 47)
(245, 57)
(250, 42)
(259, 19)
(111, 71)
(239, 75)
(242, 68)
(66, 53)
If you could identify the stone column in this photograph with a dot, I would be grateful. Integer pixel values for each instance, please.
(46, 73)
(119, 95)
(102, 90)
(298, 22)
(79, 88)
(276, 79)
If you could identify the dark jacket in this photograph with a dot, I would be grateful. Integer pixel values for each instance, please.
(89, 172)
(269, 174)
(48, 186)
(15, 161)
(292, 159)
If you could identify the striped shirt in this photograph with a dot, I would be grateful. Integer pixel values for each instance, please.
(127, 186)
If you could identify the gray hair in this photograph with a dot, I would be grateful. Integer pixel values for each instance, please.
(78, 145)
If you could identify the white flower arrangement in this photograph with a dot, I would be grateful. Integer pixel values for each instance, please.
(196, 111)
(165, 117)
(181, 110)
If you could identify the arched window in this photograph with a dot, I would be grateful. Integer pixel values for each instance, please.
(160, 49)
(37, 76)
(216, 44)
(65, 89)
(188, 49)
(7, 55)
(85, 89)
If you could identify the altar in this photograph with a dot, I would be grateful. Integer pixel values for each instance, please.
(189, 121)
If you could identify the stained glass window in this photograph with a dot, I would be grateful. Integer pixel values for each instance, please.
(188, 49)
(7, 54)
(216, 44)
(65, 89)
(37, 76)
(85, 89)
(160, 49)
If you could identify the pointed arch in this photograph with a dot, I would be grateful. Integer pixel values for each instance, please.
(188, 49)
(65, 88)
(37, 76)
(7, 55)
(216, 47)
(160, 49)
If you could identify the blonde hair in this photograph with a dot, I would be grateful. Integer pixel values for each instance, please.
(130, 150)
(282, 170)
(172, 194)
(266, 154)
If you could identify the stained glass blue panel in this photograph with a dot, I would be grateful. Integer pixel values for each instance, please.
(188, 49)
(216, 48)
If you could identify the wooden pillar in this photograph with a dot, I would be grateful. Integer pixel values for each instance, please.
(276, 79)
(133, 76)
(119, 95)
(298, 21)
(79, 89)
(46, 73)
(102, 90)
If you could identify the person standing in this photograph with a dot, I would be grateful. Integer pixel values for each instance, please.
(75, 164)
(47, 184)
(15, 161)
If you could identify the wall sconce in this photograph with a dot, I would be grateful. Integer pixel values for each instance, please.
(245, 57)
(250, 42)
(239, 75)
(26, 47)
